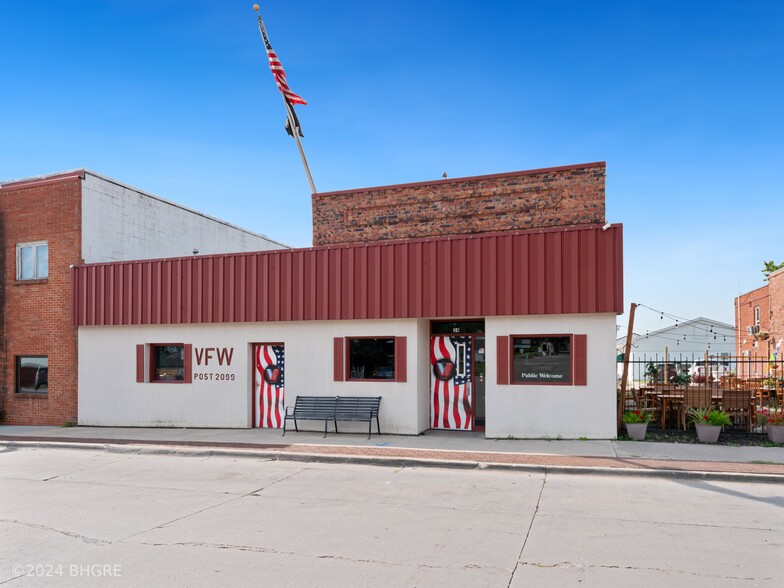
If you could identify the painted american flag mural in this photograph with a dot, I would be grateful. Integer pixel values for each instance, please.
(450, 382)
(270, 386)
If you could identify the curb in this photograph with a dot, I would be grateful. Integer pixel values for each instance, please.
(140, 448)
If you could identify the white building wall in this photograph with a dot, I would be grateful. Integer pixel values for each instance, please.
(570, 412)
(684, 344)
(691, 339)
(110, 396)
(121, 223)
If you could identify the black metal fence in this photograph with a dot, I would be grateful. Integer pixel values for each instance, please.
(672, 386)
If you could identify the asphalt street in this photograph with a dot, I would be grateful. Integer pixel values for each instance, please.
(80, 518)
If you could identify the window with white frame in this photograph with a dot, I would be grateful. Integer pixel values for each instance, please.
(32, 261)
(757, 315)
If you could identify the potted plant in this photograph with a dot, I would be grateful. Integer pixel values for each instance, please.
(708, 422)
(636, 422)
(652, 371)
(763, 335)
(773, 420)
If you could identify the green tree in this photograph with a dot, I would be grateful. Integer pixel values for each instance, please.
(770, 267)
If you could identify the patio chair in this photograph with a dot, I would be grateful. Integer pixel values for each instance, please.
(694, 397)
(758, 395)
(740, 405)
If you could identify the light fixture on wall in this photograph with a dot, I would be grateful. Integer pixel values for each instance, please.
(195, 251)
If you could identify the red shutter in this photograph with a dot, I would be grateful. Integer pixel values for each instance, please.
(337, 356)
(400, 359)
(580, 350)
(140, 363)
(188, 367)
(502, 360)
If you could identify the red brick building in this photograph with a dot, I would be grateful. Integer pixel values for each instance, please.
(759, 321)
(43, 217)
(50, 223)
(752, 312)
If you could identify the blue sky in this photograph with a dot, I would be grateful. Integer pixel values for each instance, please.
(682, 99)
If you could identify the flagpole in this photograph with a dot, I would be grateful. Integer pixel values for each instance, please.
(289, 113)
(295, 132)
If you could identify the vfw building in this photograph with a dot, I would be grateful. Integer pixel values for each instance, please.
(485, 304)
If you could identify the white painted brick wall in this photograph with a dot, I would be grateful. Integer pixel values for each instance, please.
(120, 223)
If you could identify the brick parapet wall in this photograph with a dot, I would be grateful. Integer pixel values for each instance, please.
(552, 197)
(36, 316)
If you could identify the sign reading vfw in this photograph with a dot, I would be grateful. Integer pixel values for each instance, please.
(213, 362)
(205, 355)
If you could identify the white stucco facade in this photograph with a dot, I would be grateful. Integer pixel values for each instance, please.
(109, 394)
(122, 223)
(570, 412)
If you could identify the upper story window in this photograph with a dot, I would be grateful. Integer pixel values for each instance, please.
(32, 261)
(757, 315)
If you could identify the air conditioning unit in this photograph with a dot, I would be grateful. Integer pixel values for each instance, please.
(752, 330)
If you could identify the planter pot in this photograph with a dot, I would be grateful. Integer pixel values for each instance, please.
(636, 431)
(775, 433)
(708, 433)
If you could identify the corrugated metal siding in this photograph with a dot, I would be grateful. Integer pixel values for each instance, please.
(521, 273)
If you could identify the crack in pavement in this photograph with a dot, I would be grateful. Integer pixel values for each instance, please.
(577, 566)
(256, 549)
(528, 532)
(205, 509)
(84, 538)
(691, 525)
(271, 484)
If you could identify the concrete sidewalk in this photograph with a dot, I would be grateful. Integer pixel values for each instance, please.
(434, 448)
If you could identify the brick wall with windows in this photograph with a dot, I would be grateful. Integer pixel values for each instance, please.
(776, 291)
(36, 313)
(552, 197)
(746, 313)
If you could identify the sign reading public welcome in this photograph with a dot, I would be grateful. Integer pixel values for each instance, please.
(541, 360)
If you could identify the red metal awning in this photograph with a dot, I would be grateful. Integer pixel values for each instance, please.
(556, 271)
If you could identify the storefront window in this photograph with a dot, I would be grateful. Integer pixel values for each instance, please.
(168, 363)
(371, 359)
(541, 360)
(32, 374)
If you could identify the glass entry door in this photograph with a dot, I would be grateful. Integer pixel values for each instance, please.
(479, 383)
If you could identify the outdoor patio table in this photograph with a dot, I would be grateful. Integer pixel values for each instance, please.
(675, 398)
(671, 397)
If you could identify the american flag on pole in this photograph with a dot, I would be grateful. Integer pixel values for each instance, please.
(450, 403)
(270, 386)
(277, 70)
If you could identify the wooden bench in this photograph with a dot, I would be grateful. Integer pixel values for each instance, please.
(358, 408)
(311, 408)
(334, 408)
